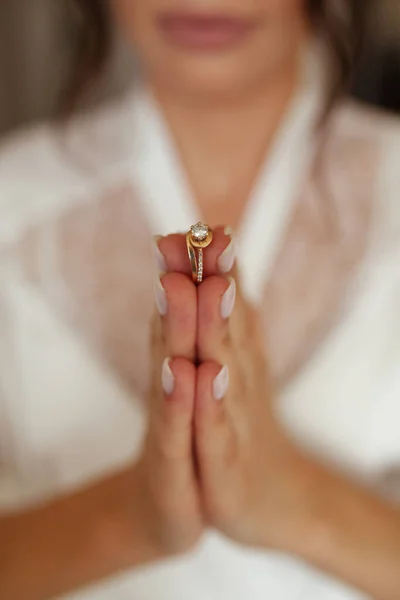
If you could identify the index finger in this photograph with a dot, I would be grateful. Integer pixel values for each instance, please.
(219, 256)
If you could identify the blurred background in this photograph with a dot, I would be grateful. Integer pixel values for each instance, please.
(37, 40)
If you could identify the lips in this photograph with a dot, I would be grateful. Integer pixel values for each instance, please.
(204, 32)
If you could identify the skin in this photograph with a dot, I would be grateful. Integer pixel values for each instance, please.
(224, 464)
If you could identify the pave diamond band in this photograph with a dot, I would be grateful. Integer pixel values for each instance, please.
(200, 265)
(199, 237)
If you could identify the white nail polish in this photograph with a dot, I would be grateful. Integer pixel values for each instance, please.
(228, 231)
(160, 260)
(227, 259)
(167, 377)
(221, 383)
(160, 297)
(228, 300)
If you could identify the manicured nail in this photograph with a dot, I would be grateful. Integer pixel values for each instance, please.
(221, 383)
(227, 259)
(160, 260)
(228, 299)
(167, 377)
(160, 297)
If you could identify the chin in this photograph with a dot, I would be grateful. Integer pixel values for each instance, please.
(208, 86)
(200, 80)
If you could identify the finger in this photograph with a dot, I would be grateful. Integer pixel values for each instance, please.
(176, 300)
(171, 419)
(216, 434)
(216, 302)
(219, 256)
(168, 455)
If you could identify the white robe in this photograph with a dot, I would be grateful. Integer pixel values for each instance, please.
(68, 416)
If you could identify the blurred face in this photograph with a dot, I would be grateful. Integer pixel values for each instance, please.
(209, 49)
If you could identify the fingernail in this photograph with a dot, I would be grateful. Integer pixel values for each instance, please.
(167, 377)
(160, 260)
(227, 259)
(160, 297)
(228, 299)
(221, 383)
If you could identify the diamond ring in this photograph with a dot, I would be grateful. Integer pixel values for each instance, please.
(199, 237)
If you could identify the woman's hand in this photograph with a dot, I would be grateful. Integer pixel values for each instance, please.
(248, 468)
(168, 490)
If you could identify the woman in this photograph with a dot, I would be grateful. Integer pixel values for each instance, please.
(216, 469)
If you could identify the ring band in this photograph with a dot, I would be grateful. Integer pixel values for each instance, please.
(199, 237)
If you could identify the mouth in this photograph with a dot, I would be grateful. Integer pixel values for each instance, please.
(205, 32)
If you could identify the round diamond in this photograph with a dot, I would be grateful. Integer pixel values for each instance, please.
(199, 231)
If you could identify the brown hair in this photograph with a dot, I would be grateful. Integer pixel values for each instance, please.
(343, 34)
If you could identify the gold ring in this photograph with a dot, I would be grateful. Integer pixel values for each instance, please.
(199, 237)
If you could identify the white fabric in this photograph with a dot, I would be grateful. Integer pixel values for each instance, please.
(64, 416)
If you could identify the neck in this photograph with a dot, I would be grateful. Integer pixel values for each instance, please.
(222, 146)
